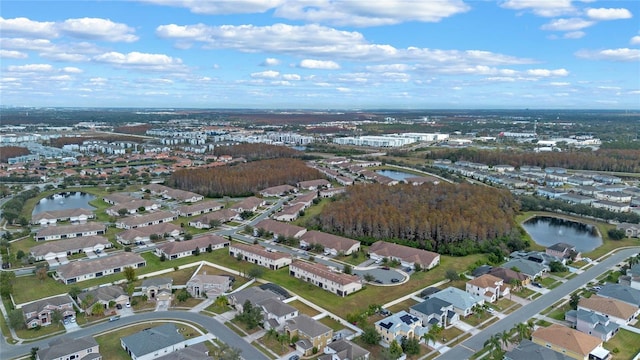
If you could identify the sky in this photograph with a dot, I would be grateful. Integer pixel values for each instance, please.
(321, 54)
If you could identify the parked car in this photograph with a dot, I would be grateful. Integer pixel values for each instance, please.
(128, 304)
(119, 306)
(114, 318)
(394, 280)
(536, 284)
(385, 268)
(294, 357)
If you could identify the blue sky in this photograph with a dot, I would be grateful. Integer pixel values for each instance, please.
(321, 54)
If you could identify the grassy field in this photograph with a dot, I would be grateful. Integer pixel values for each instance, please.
(405, 305)
(333, 324)
(627, 343)
(304, 308)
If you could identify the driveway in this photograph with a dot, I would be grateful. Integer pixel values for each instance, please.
(162, 305)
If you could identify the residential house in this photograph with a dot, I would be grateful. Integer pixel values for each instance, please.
(61, 249)
(289, 213)
(211, 286)
(276, 312)
(118, 198)
(314, 184)
(630, 230)
(77, 271)
(279, 190)
(70, 231)
(528, 350)
(251, 203)
(621, 292)
(407, 256)
(488, 287)
(333, 244)
(279, 229)
(178, 249)
(327, 193)
(563, 251)
(344, 350)
(103, 295)
(157, 288)
(400, 324)
(435, 311)
(462, 301)
(40, 312)
(220, 217)
(611, 206)
(144, 234)
(570, 342)
(145, 220)
(589, 322)
(320, 275)
(615, 196)
(632, 277)
(182, 195)
(617, 311)
(197, 351)
(72, 215)
(253, 294)
(260, 256)
(154, 342)
(510, 276)
(62, 348)
(312, 334)
(199, 208)
(527, 267)
(133, 207)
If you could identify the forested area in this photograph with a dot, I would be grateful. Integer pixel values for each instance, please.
(538, 203)
(622, 160)
(442, 218)
(134, 130)
(253, 152)
(243, 179)
(7, 152)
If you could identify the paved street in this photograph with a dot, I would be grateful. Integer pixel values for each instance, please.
(211, 325)
(474, 344)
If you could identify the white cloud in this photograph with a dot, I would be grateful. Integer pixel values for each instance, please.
(622, 54)
(98, 29)
(545, 8)
(343, 89)
(221, 7)
(281, 83)
(60, 78)
(12, 54)
(319, 64)
(635, 40)
(547, 73)
(558, 83)
(27, 27)
(269, 74)
(574, 35)
(142, 61)
(294, 77)
(388, 67)
(31, 68)
(609, 14)
(571, 24)
(270, 62)
(72, 70)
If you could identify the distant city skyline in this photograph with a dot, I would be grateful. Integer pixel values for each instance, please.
(321, 54)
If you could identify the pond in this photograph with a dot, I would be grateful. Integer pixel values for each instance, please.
(64, 201)
(395, 174)
(546, 231)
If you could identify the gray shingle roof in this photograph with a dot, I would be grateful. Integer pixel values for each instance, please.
(621, 292)
(528, 350)
(431, 306)
(152, 339)
(66, 346)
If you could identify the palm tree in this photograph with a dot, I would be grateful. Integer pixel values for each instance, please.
(430, 337)
(505, 337)
(493, 343)
(523, 330)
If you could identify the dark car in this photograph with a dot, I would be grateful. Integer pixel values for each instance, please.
(377, 281)
(294, 357)
(119, 306)
(394, 280)
(536, 284)
(385, 268)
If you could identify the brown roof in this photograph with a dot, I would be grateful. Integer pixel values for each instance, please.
(277, 190)
(507, 274)
(119, 198)
(315, 183)
(485, 281)
(200, 242)
(609, 306)
(61, 214)
(324, 272)
(248, 203)
(412, 255)
(205, 205)
(78, 268)
(279, 228)
(305, 198)
(144, 219)
(158, 229)
(71, 229)
(135, 204)
(69, 244)
(567, 338)
(329, 241)
(223, 215)
(260, 251)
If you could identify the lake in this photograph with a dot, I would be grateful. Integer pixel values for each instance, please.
(546, 231)
(64, 201)
(395, 174)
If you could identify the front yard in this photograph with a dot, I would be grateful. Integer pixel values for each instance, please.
(625, 345)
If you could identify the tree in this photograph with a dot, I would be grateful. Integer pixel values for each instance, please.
(495, 348)
(394, 351)
(56, 317)
(370, 335)
(251, 315)
(410, 346)
(574, 300)
(505, 338)
(221, 301)
(369, 277)
(163, 257)
(417, 267)
(452, 275)
(248, 229)
(226, 352)
(16, 319)
(33, 355)
(183, 295)
(130, 274)
(430, 338)
(188, 236)
(20, 254)
(246, 215)
(347, 269)
(41, 274)
(255, 272)
(214, 223)
(97, 309)
(196, 252)
(86, 302)
(556, 266)
(523, 331)
(615, 234)
(123, 211)
(6, 283)
(74, 292)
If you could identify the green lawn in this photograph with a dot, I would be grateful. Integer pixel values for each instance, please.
(405, 305)
(547, 281)
(524, 292)
(304, 308)
(475, 320)
(44, 331)
(558, 312)
(263, 344)
(333, 324)
(627, 343)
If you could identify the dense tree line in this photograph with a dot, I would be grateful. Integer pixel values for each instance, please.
(623, 160)
(253, 152)
(134, 130)
(539, 203)
(434, 217)
(7, 152)
(243, 179)
(12, 208)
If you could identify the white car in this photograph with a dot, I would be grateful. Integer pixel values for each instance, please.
(128, 305)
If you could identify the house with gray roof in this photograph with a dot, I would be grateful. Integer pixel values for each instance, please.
(104, 295)
(77, 271)
(84, 348)
(462, 301)
(344, 350)
(528, 350)
(630, 230)
(253, 294)
(152, 343)
(157, 288)
(276, 313)
(621, 292)
(197, 351)
(530, 268)
(400, 324)
(434, 311)
(211, 286)
(40, 312)
(70, 231)
(591, 323)
(312, 333)
(61, 249)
